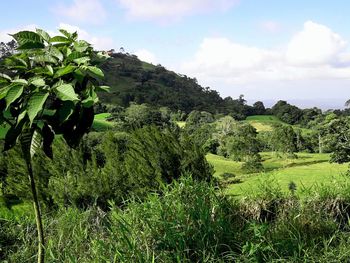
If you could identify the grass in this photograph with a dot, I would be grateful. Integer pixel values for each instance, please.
(100, 123)
(263, 122)
(308, 171)
(181, 124)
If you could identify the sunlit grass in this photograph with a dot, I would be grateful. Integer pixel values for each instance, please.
(307, 171)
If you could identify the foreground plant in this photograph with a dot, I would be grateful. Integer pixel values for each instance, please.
(48, 87)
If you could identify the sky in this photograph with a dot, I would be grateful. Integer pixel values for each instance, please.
(294, 50)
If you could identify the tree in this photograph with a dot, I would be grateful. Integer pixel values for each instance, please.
(284, 140)
(50, 89)
(337, 138)
(259, 108)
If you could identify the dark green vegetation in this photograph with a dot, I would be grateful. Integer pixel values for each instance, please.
(47, 87)
(171, 172)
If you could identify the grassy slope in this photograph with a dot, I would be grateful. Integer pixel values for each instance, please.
(100, 122)
(265, 122)
(262, 122)
(306, 171)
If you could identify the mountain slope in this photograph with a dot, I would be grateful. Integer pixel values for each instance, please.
(133, 80)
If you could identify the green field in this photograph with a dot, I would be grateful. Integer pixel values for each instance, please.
(262, 122)
(100, 123)
(307, 171)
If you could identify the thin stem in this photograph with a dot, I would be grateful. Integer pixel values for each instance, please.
(38, 220)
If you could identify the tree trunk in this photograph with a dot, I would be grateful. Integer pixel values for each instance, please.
(38, 220)
(320, 144)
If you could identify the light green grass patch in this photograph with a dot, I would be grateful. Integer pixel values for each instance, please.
(181, 124)
(101, 124)
(308, 171)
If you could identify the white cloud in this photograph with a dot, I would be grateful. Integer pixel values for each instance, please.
(316, 53)
(165, 10)
(89, 11)
(100, 43)
(315, 44)
(147, 56)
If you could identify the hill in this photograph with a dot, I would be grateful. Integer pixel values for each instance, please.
(132, 80)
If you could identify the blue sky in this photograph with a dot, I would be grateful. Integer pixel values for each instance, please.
(271, 49)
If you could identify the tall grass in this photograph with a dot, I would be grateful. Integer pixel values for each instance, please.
(192, 221)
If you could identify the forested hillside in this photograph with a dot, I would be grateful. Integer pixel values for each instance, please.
(132, 80)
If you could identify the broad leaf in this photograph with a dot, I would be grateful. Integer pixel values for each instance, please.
(59, 39)
(95, 72)
(54, 51)
(64, 71)
(20, 81)
(37, 81)
(66, 92)
(48, 136)
(27, 37)
(31, 45)
(35, 104)
(81, 46)
(45, 58)
(30, 142)
(65, 33)
(43, 34)
(13, 93)
(12, 135)
(3, 92)
(103, 88)
(4, 76)
(65, 111)
(82, 60)
(75, 55)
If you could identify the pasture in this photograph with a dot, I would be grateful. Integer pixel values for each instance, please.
(307, 172)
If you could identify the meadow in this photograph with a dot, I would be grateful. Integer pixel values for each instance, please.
(308, 171)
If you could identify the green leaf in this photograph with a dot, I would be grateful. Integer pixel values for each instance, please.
(35, 104)
(20, 81)
(23, 37)
(54, 51)
(43, 34)
(81, 46)
(65, 111)
(66, 92)
(30, 142)
(95, 72)
(45, 58)
(64, 71)
(3, 92)
(38, 82)
(4, 76)
(75, 55)
(21, 116)
(48, 136)
(59, 39)
(82, 60)
(12, 135)
(31, 45)
(49, 69)
(103, 88)
(65, 33)
(13, 93)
